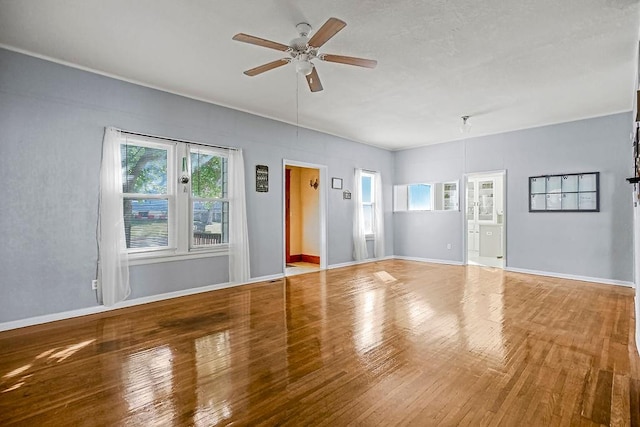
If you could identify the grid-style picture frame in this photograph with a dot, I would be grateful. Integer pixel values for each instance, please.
(572, 192)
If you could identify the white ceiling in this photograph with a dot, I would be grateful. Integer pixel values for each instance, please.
(509, 65)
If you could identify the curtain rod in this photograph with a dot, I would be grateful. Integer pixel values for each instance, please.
(128, 132)
(367, 170)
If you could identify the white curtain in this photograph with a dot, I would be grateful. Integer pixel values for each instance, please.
(359, 237)
(113, 265)
(378, 215)
(238, 236)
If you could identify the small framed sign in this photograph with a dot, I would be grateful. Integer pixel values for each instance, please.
(346, 195)
(262, 178)
(336, 183)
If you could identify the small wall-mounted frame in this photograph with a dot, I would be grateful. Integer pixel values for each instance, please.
(262, 178)
(346, 195)
(336, 183)
(573, 192)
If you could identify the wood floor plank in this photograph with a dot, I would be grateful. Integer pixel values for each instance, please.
(386, 343)
(620, 405)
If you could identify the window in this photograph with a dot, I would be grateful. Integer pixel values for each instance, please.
(175, 197)
(368, 202)
(413, 197)
(368, 215)
(148, 196)
(419, 197)
(209, 203)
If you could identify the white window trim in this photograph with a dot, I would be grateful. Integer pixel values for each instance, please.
(179, 210)
(190, 199)
(402, 198)
(372, 235)
(143, 258)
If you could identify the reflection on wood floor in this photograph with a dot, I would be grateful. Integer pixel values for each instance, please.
(294, 268)
(385, 343)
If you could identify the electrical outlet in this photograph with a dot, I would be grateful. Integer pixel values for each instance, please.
(94, 284)
(448, 245)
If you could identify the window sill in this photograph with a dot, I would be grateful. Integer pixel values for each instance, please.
(155, 258)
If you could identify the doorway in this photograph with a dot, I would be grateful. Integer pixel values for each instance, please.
(485, 219)
(304, 218)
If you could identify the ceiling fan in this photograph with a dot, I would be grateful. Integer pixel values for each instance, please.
(303, 50)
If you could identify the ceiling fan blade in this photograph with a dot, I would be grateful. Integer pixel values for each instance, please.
(266, 67)
(314, 81)
(350, 60)
(246, 38)
(328, 30)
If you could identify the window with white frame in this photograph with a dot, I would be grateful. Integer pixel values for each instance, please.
(175, 197)
(413, 197)
(209, 202)
(368, 201)
(419, 197)
(148, 194)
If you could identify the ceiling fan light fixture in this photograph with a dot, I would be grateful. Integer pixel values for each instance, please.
(304, 67)
(465, 127)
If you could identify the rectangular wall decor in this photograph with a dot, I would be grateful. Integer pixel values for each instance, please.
(573, 192)
(262, 178)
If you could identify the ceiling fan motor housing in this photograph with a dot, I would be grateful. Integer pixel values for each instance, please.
(301, 43)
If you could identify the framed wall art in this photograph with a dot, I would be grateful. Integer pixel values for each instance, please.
(573, 192)
(262, 178)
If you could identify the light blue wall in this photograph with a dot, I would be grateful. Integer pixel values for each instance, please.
(596, 245)
(52, 120)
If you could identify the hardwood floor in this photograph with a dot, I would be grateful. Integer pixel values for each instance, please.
(387, 343)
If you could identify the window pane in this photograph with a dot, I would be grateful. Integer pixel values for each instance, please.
(145, 223)
(419, 197)
(210, 223)
(144, 169)
(366, 189)
(208, 175)
(368, 218)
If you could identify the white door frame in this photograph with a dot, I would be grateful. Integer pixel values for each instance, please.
(465, 223)
(323, 180)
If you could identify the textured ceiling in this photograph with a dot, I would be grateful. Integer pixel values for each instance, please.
(508, 65)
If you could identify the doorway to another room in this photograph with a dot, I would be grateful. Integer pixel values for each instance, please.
(486, 219)
(304, 219)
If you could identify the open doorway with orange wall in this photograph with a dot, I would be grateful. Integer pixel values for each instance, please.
(303, 219)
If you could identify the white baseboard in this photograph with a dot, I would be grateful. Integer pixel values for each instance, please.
(352, 263)
(572, 277)
(37, 320)
(433, 261)
(262, 279)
